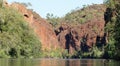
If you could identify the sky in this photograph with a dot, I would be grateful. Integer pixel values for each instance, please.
(57, 7)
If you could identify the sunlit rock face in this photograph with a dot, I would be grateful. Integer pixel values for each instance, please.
(41, 27)
(83, 36)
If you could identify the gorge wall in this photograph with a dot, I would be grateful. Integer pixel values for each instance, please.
(41, 27)
(73, 38)
(82, 37)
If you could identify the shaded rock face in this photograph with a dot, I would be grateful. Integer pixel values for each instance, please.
(81, 37)
(43, 29)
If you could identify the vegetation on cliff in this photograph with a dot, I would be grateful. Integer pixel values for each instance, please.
(17, 39)
(77, 16)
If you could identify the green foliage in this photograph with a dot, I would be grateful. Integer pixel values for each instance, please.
(113, 28)
(83, 15)
(17, 40)
(77, 16)
(97, 52)
(117, 30)
(94, 52)
(110, 3)
(110, 49)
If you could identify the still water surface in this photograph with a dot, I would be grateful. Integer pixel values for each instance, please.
(57, 62)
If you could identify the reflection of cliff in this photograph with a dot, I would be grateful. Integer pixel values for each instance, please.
(57, 62)
(70, 62)
(51, 62)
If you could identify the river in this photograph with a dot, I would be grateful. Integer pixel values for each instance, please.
(58, 62)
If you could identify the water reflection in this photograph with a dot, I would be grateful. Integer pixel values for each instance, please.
(56, 62)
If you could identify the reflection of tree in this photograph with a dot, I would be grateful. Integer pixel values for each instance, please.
(67, 63)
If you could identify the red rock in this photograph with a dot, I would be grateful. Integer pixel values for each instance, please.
(81, 37)
(41, 27)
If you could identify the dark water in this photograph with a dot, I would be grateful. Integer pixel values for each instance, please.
(57, 62)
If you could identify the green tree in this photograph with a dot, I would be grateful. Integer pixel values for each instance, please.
(17, 39)
(113, 28)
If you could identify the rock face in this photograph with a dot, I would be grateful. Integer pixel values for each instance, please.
(82, 37)
(77, 36)
(73, 38)
(43, 29)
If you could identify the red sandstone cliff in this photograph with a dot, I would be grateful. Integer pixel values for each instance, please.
(83, 36)
(41, 27)
(73, 38)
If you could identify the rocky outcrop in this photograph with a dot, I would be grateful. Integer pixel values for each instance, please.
(73, 38)
(41, 27)
(82, 29)
(82, 37)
